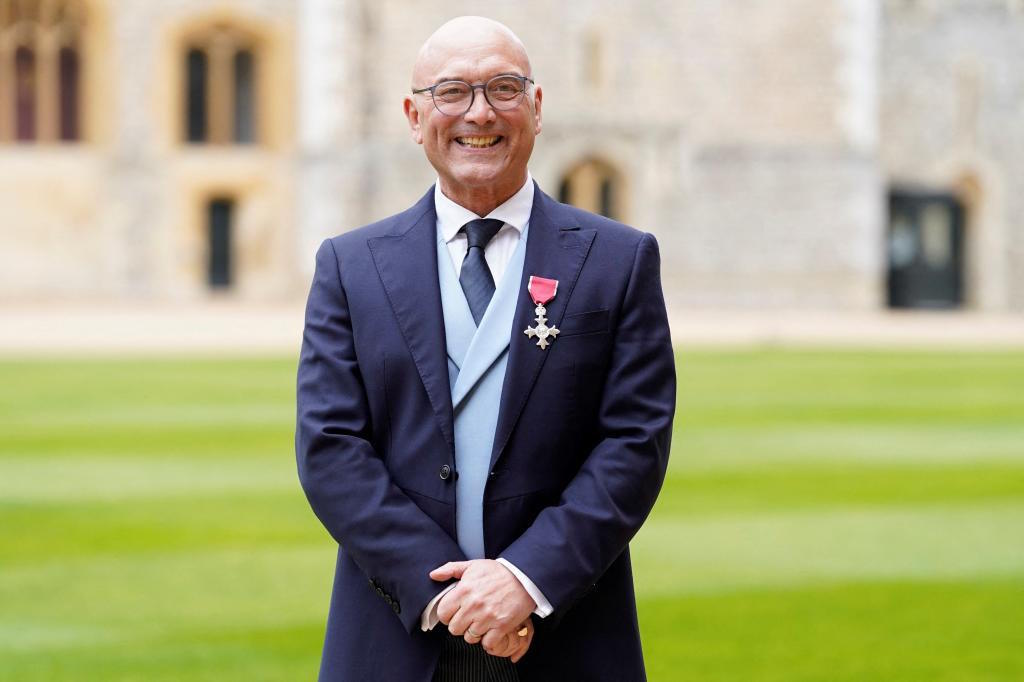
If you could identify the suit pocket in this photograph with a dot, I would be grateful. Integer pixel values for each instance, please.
(591, 322)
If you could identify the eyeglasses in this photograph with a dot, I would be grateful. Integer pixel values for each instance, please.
(454, 98)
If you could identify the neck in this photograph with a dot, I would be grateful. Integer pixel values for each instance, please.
(482, 200)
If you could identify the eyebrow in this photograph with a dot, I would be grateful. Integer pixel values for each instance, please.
(444, 79)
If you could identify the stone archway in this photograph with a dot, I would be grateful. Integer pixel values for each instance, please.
(596, 186)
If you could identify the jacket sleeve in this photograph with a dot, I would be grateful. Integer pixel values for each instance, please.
(570, 545)
(345, 480)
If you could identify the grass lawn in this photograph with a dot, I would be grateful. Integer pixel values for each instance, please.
(828, 515)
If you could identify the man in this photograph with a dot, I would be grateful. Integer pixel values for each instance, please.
(485, 399)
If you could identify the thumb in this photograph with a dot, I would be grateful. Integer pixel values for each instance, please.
(452, 569)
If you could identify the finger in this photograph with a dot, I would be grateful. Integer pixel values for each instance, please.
(524, 644)
(514, 643)
(523, 648)
(460, 622)
(448, 605)
(517, 653)
(452, 569)
(494, 643)
(472, 636)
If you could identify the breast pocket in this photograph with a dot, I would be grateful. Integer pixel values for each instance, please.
(590, 322)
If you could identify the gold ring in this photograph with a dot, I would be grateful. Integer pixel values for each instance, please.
(523, 631)
(473, 634)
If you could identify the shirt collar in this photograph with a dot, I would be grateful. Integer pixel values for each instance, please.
(515, 212)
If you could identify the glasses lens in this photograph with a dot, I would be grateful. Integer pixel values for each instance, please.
(503, 92)
(452, 97)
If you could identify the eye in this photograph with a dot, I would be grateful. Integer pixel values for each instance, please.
(504, 88)
(451, 91)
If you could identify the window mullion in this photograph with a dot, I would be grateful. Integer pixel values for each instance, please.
(47, 85)
(221, 90)
(587, 188)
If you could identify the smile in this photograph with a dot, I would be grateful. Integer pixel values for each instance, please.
(479, 142)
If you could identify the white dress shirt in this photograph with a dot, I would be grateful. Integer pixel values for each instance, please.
(515, 213)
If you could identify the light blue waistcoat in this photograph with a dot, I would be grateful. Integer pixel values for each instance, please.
(477, 358)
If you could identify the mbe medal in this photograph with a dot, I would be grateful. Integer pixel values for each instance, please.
(541, 291)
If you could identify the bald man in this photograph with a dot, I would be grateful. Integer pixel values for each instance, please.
(485, 398)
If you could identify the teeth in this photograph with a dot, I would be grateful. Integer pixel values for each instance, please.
(478, 141)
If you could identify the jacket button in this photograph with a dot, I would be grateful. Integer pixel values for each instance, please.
(445, 472)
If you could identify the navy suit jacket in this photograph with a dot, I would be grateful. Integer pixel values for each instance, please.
(579, 453)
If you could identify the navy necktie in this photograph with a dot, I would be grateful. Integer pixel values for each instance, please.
(475, 277)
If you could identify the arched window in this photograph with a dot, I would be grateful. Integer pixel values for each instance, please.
(594, 186)
(220, 87)
(40, 70)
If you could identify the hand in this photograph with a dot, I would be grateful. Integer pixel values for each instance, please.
(511, 645)
(487, 598)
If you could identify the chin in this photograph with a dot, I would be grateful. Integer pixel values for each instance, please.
(481, 176)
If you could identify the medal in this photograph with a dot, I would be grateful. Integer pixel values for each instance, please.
(541, 291)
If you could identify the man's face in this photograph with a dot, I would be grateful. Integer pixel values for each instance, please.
(483, 152)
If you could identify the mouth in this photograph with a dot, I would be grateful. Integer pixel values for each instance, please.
(479, 142)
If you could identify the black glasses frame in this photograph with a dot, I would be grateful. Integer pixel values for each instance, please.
(472, 92)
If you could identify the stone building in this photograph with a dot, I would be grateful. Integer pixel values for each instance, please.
(840, 154)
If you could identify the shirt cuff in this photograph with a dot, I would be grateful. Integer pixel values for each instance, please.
(544, 607)
(429, 618)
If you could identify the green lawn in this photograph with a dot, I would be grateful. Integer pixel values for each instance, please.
(828, 515)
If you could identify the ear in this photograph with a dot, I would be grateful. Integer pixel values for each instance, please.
(538, 95)
(412, 114)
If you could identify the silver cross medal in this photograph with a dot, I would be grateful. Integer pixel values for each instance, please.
(542, 331)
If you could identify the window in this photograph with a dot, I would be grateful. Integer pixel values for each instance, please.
(594, 186)
(24, 94)
(220, 88)
(40, 70)
(195, 100)
(925, 247)
(219, 218)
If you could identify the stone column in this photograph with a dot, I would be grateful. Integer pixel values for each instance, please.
(47, 86)
(220, 90)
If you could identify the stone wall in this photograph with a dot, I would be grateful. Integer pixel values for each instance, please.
(756, 140)
(953, 121)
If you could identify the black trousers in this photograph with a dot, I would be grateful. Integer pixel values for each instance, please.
(464, 662)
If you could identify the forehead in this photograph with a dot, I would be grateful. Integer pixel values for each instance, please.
(472, 60)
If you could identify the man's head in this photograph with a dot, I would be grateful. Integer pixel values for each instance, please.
(480, 155)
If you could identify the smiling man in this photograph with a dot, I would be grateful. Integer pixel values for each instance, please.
(485, 398)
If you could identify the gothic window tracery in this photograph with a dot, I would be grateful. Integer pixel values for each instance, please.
(220, 87)
(40, 70)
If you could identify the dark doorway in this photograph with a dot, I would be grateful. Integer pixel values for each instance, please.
(219, 243)
(926, 254)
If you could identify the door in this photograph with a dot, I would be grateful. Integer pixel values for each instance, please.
(925, 247)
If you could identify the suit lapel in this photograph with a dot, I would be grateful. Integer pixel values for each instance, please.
(556, 248)
(458, 320)
(407, 265)
(492, 338)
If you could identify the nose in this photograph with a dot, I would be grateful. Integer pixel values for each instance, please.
(480, 111)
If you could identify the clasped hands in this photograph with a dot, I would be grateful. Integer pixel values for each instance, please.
(488, 606)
